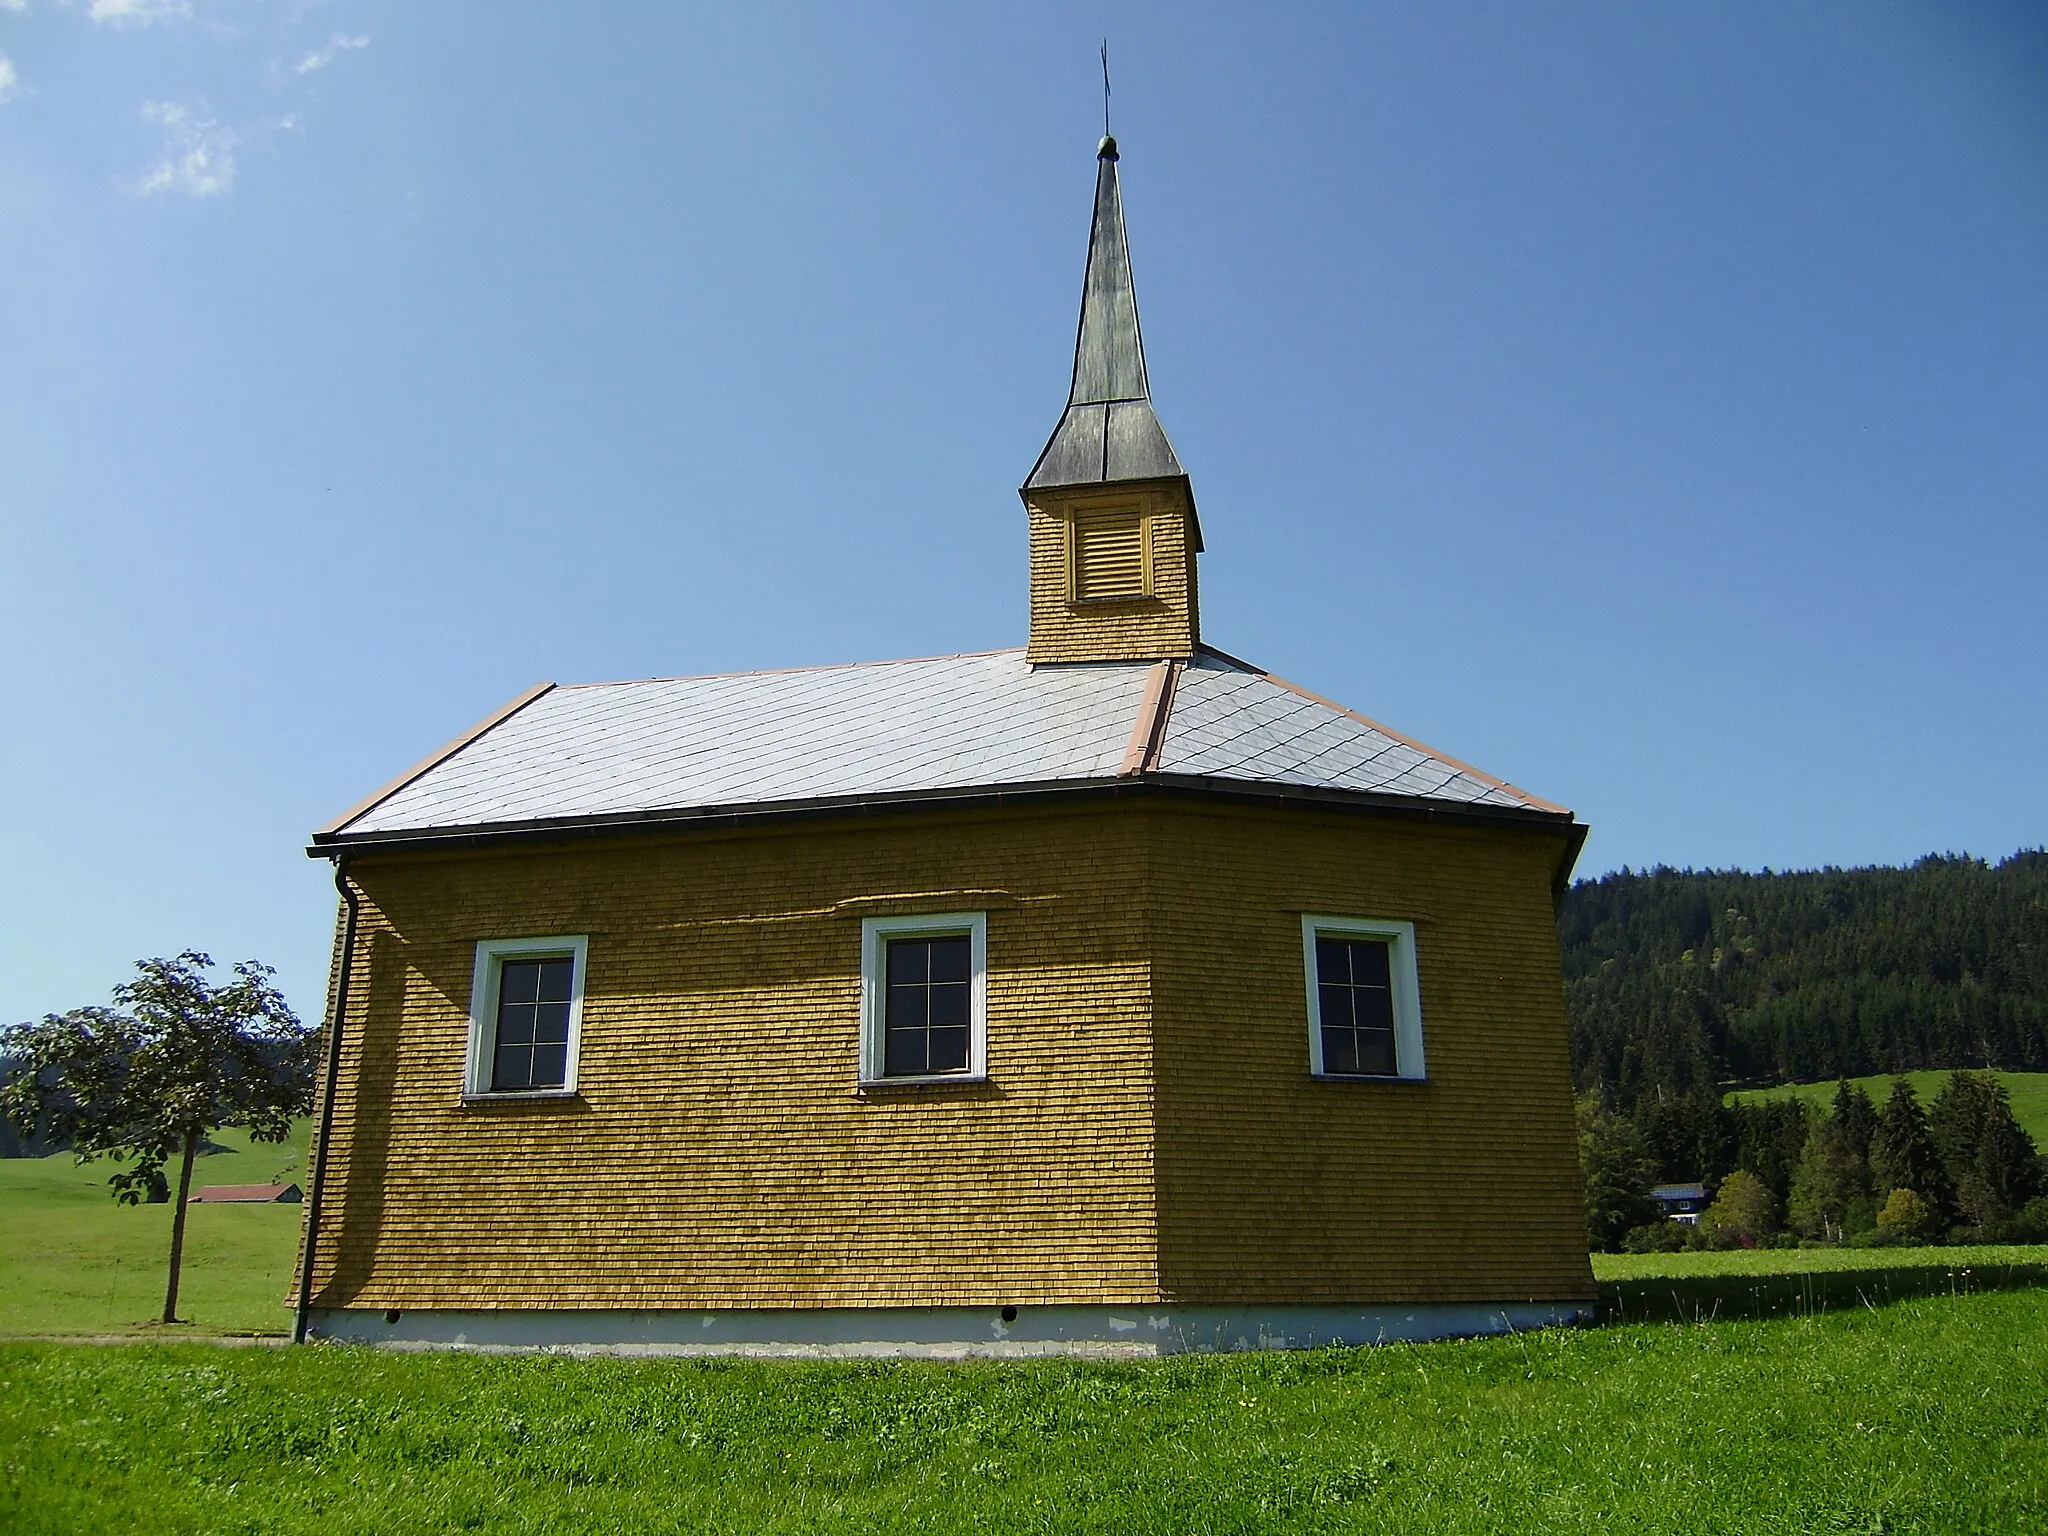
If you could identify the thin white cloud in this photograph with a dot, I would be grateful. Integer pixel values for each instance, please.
(17, 6)
(139, 13)
(197, 157)
(10, 82)
(337, 45)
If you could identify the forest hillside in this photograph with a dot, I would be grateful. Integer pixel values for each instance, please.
(1683, 983)
(1679, 980)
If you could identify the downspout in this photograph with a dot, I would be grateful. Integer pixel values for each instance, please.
(351, 907)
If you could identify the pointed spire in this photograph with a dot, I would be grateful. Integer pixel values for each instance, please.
(1109, 431)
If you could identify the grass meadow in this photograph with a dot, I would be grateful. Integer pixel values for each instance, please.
(1798, 1390)
(72, 1261)
(2029, 1092)
(1928, 1415)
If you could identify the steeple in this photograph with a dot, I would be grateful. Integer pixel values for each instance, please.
(1114, 533)
(1109, 431)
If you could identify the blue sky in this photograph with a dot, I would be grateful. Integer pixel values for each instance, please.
(1645, 403)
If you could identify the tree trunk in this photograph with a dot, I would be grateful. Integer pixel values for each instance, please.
(178, 1225)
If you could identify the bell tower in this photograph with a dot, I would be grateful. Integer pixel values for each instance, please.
(1114, 534)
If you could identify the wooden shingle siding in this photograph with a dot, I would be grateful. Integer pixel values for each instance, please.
(1150, 1131)
(718, 1153)
(1073, 618)
(1275, 1187)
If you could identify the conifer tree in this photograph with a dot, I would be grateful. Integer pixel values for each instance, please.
(1855, 1117)
(1903, 1155)
(1990, 1160)
(1618, 1172)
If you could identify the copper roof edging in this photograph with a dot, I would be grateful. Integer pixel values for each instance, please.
(432, 761)
(1142, 751)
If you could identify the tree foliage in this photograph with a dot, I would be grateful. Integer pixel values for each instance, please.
(144, 1081)
(1745, 1211)
(1903, 1155)
(1619, 1173)
(1678, 981)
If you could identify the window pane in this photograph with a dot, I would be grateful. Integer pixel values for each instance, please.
(1340, 1051)
(949, 1006)
(951, 958)
(1369, 964)
(1375, 1008)
(909, 960)
(948, 1050)
(1335, 1003)
(555, 978)
(550, 1067)
(515, 1025)
(1333, 961)
(905, 1054)
(906, 1007)
(513, 1068)
(1376, 1052)
(551, 1023)
(518, 981)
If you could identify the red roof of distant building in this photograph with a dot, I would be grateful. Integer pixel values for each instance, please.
(254, 1193)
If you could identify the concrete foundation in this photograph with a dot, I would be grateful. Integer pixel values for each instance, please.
(936, 1333)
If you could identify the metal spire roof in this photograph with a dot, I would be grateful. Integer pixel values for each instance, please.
(1109, 431)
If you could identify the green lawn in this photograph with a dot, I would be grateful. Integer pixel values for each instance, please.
(1926, 1416)
(72, 1261)
(1807, 1261)
(2029, 1092)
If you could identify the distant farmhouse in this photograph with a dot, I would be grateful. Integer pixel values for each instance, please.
(247, 1194)
(1681, 1203)
(1109, 995)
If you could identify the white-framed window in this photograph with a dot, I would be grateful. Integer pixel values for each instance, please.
(525, 1016)
(924, 998)
(1364, 1007)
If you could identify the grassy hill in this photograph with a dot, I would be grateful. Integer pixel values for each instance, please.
(72, 1261)
(2029, 1092)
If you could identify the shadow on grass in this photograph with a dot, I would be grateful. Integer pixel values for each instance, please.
(1700, 1298)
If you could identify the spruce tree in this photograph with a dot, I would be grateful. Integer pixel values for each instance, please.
(1855, 1117)
(1903, 1155)
(1989, 1159)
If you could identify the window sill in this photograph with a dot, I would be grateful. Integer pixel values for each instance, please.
(1362, 1077)
(529, 1096)
(942, 1080)
(1122, 600)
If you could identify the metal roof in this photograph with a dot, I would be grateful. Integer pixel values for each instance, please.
(1109, 431)
(665, 748)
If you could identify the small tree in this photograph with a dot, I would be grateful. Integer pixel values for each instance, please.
(1744, 1210)
(1618, 1172)
(146, 1080)
(1829, 1177)
(1907, 1217)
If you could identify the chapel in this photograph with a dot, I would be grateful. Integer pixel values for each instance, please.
(1108, 995)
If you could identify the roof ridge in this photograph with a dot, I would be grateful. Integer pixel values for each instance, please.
(1148, 726)
(823, 666)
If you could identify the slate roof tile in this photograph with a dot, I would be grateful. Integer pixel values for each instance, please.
(828, 734)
